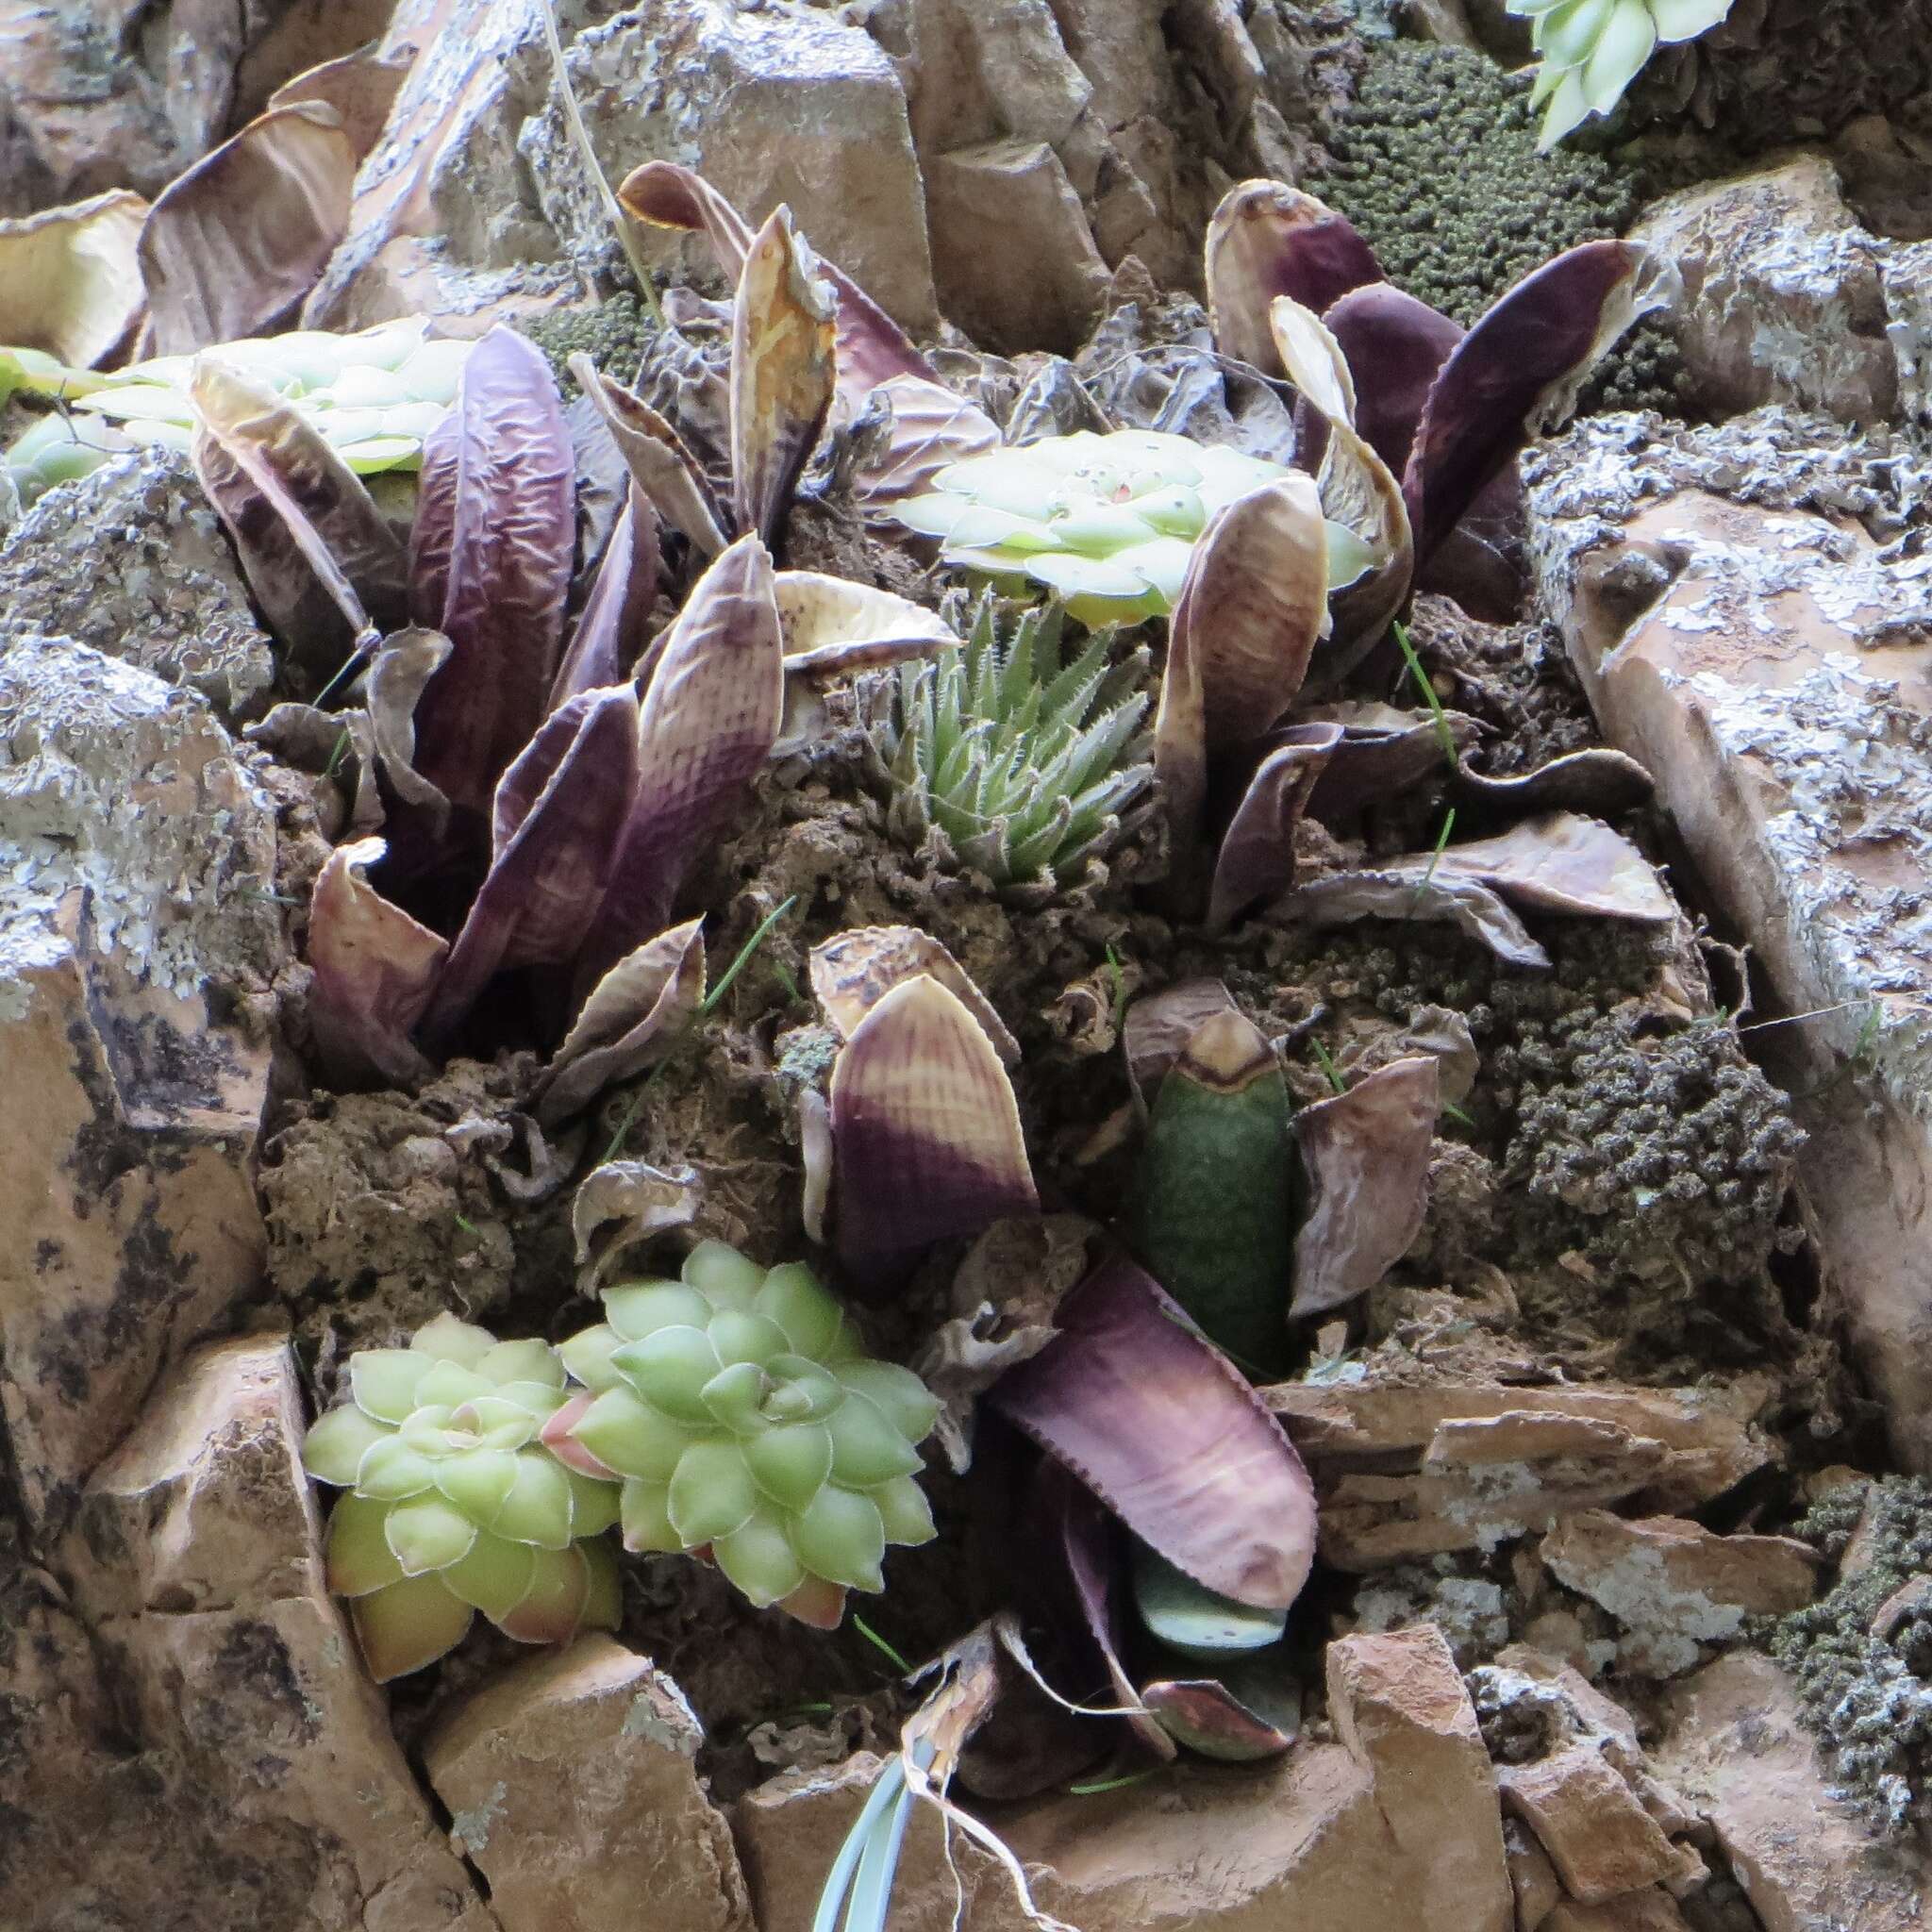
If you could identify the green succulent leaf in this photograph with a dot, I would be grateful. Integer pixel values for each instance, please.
(333, 1450)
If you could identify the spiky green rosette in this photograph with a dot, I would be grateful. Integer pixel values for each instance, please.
(454, 1504)
(1107, 522)
(1023, 761)
(745, 1423)
(1594, 49)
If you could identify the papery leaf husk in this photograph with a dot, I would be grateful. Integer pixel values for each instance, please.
(660, 463)
(1600, 781)
(930, 428)
(815, 1157)
(231, 246)
(833, 625)
(1377, 760)
(1366, 1153)
(373, 969)
(552, 857)
(309, 533)
(398, 674)
(490, 564)
(311, 741)
(609, 629)
(1265, 239)
(1410, 892)
(634, 1016)
(1564, 862)
(1213, 1206)
(70, 280)
(1516, 374)
(781, 375)
(621, 1203)
(1158, 1028)
(1256, 856)
(853, 971)
(710, 717)
(925, 1133)
(361, 87)
(1162, 1428)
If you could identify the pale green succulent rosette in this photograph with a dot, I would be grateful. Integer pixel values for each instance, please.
(373, 396)
(1107, 522)
(1591, 50)
(745, 1423)
(454, 1504)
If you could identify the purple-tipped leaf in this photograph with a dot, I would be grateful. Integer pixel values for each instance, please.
(1366, 1157)
(1517, 374)
(232, 246)
(552, 855)
(709, 718)
(374, 968)
(1256, 856)
(609, 630)
(491, 558)
(1267, 239)
(925, 1134)
(660, 463)
(1162, 1428)
(781, 375)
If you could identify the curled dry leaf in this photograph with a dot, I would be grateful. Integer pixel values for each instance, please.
(710, 717)
(490, 563)
(1409, 890)
(622, 594)
(233, 245)
(1165, 1431)
(781, 375)
(833, 625)
(1600, 780)
(1209, 1717)
(1257, 855)
(1366, 1154)
(1382, 753)
(928, 426)
(634, 1016)
(308, 531)
(925, 1133)
(660, 461)
(339, 745)
(853, 971)
(70, 282)
(1265, 239)
(361, 87)
(1565, 862)
(398, 672)
(374, 970)
(621, 1202)
(1158, 1027)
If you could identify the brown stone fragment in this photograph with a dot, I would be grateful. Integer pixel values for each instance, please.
(1598, 1835)
(1532, 1877)
(1649, 1910)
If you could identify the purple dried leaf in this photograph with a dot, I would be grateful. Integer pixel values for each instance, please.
(1599, 782)
(361, 87)
(930, 428)
(232, 246)
(551, 856)
(341, 744)
(781, 375)
(610, 628)
(321, 558)
(373, 968)
(660, 463)
(1407, 891)
(1383, 752)
(1517, 374)
(1256, 856)
(490, 558)
(1396, 347)
(398, 675)
(1267, 239)
(1366, 1153)
(853, 971)
(1166, 1432)
(1565, 862)
(709, 718)
(1158, 1028)
(634, 1016)
(1478, 566)
(833, 626)
(925, 1133)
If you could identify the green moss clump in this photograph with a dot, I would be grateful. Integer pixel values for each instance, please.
(612, 333)
(1869, 1698)
(1680, 1145)
(1434, 161)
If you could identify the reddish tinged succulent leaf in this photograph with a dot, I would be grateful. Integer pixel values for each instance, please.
(361, 87)
(660, 461)
(373, 967)
(491, 556)
(1516, 374)
(815, 1602)
(634, 1016)
(233, 245)
(1161, 1427)
(551, 856)
(853, 971)
(321, 558)
(1266, 239)
(557, 1438)
(1207, 1716)
(781, 375)
(931, 427)
(623, 593)
(1366, 1153)
(872, 348)
(925, 1134)
(1256, 856)
(709, 718)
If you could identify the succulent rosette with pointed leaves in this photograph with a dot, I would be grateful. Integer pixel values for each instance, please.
(1594, 49)
(453, 1504)
(745, 1422)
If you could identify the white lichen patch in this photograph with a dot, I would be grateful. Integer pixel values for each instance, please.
(470, 1829)
(660, 1714)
